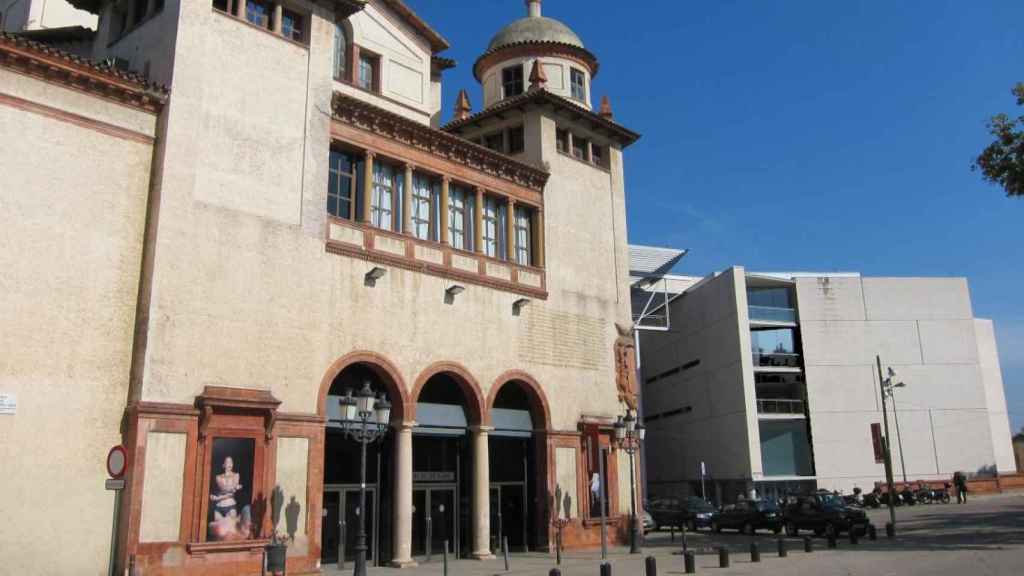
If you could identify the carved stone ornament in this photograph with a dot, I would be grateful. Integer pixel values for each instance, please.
(625, 366)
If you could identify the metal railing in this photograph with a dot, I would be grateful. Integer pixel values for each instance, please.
(770, 314)
(779, 406)
(777, 359)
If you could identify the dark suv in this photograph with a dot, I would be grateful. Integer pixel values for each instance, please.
(823, 513)
(748, 516)
(692, 512)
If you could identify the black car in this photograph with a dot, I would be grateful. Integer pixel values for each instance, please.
(823, 513)
(692, 512)
(749, 516)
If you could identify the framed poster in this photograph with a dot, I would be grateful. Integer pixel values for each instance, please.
(230, 484)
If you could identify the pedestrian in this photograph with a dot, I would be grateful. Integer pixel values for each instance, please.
(960, 483)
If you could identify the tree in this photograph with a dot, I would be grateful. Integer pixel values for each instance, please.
(1002, 162)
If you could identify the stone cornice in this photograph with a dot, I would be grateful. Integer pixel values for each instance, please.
(52, 65)
(444, 145)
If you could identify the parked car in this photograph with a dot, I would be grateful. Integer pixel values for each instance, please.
(749, 516)
(823, 513)
(691, 512)
(648, 522)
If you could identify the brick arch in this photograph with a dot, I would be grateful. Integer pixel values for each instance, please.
(478, 413)
(533, 391)
(383, 368)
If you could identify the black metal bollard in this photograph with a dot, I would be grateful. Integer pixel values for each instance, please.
(890, 530)
(555, 572)
(558, 547)
(445, 558)
(853, 535)
(504, 550)
(690, 561)
(651, 566)
(723, 557)
(872, 532)
(782, 548)
(755, 552)
(808, 544)
(832, 540)
(606, 569)
(671, 533)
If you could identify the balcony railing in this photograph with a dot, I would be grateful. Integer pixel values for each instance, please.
(779, 406)
(776, 360)
(770, 314)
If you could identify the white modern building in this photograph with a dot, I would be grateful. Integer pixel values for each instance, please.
(30, 15)
(771, 381)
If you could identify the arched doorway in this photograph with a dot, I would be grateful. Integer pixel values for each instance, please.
(518, 463)
(342, 466)
(448, 415)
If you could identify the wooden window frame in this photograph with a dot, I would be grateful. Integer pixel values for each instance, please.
(573, 74)
(517, 81)
(514, 146)
(375, 65)
(353, 192)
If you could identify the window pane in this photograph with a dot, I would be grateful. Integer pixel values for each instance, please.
(457, 217)
(516, 139)
(383, 189)
(421, 192)
(340, 52)
(579, 85)
(291, 25)
(256, 13)
(512, 80)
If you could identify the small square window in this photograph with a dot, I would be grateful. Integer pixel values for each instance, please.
(495, 141)
(292, 26)
(579, 148)
(562, 141)
(516, 140)
(512, 80)
(598, 155)
(258, 13)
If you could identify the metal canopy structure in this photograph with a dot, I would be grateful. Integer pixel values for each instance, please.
(649, 292)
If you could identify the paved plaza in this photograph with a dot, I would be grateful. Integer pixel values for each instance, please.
(983, 537)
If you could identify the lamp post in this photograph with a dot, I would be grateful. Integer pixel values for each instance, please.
(628, 435)
(889, 388)
(885, 386)
(364, 418)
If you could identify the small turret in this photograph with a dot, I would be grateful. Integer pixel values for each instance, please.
(463, 109)
(606, 108)
(537, 77)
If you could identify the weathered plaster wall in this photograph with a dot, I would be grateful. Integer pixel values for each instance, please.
(74, 200)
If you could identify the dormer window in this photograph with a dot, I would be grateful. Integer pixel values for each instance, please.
(579, 85)
(512, 80)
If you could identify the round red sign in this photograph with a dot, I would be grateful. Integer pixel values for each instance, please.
(117, 462)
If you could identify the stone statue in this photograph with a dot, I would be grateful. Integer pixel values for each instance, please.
(625, 366)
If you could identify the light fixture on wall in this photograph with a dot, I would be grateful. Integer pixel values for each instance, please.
(518, 305)
(375, 273)
(452, 291)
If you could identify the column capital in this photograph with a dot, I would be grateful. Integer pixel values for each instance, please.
(481, 429)
(405, 425)
(369, 153)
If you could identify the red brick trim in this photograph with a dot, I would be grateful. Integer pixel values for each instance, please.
(75, 119)
(383, 368)
(478, 413)
(533, 389)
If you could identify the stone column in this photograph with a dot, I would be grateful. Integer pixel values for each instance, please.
(407, 201)
(277, 18)
(478, 221)
(240, 8)
(402, 535)
(445, 184)
(510, 230)
(538, 237)
(481, 504)
(368, 187)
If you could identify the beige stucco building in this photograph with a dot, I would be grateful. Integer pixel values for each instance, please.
(771, 380)
(201, 272)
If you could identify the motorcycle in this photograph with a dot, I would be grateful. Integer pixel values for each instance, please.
(908, 497)
(934, 495)
(872, 500)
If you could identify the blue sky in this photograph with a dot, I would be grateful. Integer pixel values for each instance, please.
(804, 135)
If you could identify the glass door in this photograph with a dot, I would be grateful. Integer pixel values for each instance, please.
(350, 525)
(433, 522)
(331, 535)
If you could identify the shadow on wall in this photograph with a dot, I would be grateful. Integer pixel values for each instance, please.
(291, 513)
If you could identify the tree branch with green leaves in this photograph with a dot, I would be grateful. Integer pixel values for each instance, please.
(1002, 161)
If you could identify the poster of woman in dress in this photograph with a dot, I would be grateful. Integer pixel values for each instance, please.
(230, 516)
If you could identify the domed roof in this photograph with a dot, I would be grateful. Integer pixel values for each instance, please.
(534, 29)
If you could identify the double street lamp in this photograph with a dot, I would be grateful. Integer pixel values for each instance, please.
(364, 418)
(888, 386)
(628, 435)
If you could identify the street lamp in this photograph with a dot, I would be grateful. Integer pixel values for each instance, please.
(888, 387)
(628, 435)
(364, 418)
